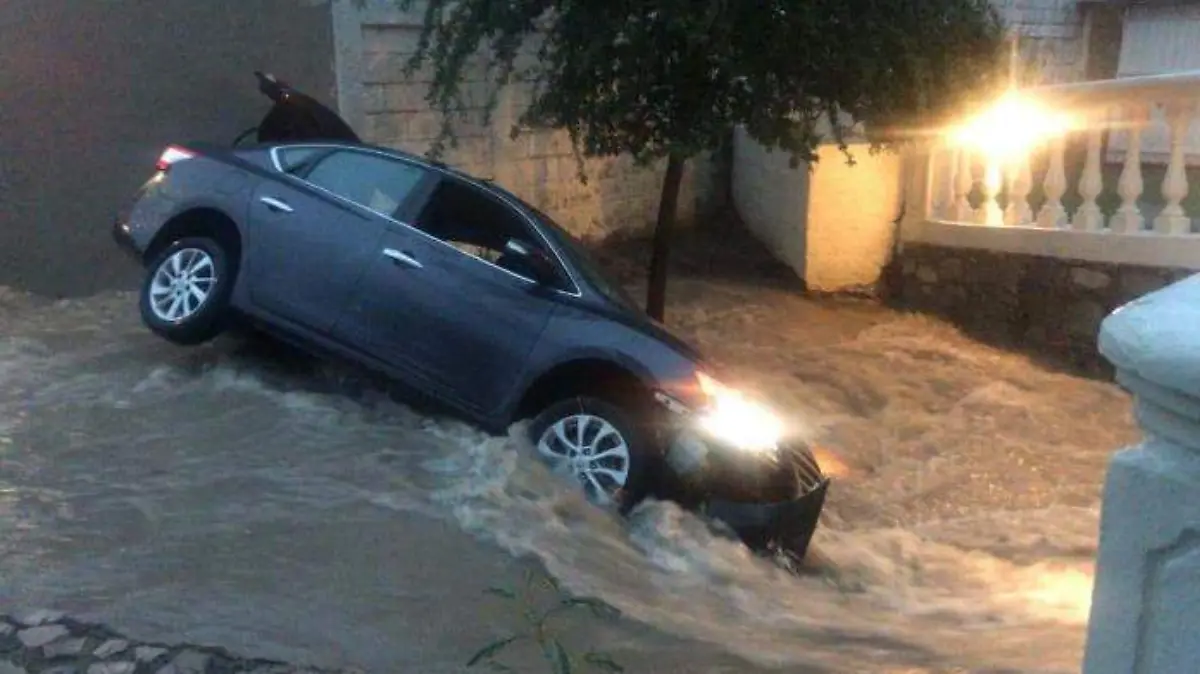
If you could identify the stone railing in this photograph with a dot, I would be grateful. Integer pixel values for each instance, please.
(1147, 592)
(1050, 190)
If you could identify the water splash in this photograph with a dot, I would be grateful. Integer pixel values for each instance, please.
(912, 571)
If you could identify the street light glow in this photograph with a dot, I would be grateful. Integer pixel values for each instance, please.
(1011, 128)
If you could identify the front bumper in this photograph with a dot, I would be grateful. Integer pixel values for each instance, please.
(771, 500)
(786, 526)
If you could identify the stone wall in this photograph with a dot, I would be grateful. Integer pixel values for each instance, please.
(45, 642)
(1049, 306)
(374, 44)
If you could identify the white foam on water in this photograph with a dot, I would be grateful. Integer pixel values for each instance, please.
(672, 570)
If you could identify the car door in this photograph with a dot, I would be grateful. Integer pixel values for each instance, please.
(317, 228)
(435, 302)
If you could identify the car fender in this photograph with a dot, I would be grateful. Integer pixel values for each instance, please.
(655, 364)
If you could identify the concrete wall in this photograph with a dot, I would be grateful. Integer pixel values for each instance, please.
(373, 43)
(91, 91)
(832, 224)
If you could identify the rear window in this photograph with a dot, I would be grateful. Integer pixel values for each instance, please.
(373, 181)
(293, 158)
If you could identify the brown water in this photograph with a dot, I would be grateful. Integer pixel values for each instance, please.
(234, 496)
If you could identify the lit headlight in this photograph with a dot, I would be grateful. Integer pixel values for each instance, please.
(733, 418)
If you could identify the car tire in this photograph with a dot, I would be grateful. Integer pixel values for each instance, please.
(180, 273)
(599, 417)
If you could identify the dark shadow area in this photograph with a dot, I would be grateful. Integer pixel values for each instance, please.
(91, 92)
(717, 248)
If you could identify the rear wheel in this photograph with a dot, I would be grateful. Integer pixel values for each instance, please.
(185, 297)
(598, 444)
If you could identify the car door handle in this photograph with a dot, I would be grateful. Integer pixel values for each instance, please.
(402, 258)
(276, 205)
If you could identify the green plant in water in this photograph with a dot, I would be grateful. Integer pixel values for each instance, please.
(538, 630)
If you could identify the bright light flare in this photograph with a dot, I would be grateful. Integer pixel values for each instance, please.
(1064, 591)
(736, 419)
(1012, 127)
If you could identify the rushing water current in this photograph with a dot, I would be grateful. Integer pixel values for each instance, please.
(230, 495)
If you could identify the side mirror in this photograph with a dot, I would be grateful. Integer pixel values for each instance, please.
(531, 260)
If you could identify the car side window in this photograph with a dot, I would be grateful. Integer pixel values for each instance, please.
(478, 224)
(372, 181)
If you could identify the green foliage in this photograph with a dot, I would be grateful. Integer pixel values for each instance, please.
(539, 631)
(657, 78)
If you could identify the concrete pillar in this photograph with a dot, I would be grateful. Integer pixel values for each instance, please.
(1146, 601)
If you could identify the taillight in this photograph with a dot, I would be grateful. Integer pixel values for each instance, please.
(172, 155)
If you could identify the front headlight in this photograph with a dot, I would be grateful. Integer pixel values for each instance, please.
(733, 418)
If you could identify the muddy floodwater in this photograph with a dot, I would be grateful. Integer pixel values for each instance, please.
(239, 496)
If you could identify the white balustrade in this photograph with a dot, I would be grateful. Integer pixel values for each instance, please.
(1087, 196)
(1173, 220)
(989, 212)
(1053, 215)
(1019, 185)
(963, 183)
(1128, 218)
(1089, 218)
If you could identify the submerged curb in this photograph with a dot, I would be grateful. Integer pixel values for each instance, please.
(49, 642)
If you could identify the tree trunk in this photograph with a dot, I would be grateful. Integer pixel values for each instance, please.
(656, 289)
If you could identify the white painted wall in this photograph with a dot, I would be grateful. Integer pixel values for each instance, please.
(771, 198)
(831, 224)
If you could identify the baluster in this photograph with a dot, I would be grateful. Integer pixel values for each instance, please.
(1128, 218)
(1052, 214)
(963, 182)
(1091, 182)
(1173, 220)
(1019, 185)
(947, 165)
(989, 212)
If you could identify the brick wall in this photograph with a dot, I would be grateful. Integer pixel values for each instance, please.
(537, 166)
(1052, 44)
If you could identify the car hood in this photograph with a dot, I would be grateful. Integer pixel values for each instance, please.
(296, 116)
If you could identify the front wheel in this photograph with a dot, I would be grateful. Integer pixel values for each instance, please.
(185, 297)
(599, 445)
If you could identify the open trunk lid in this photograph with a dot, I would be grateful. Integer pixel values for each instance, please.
(296, 117)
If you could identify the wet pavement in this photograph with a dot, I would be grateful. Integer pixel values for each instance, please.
(238, 495)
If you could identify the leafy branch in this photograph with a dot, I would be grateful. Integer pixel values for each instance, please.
(539, 631)
(671, 79)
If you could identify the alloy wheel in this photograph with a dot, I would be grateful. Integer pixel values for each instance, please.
(182, 285)
(590, 448)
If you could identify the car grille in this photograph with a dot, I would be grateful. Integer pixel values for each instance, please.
(804, 465)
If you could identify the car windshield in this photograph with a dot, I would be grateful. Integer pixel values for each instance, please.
(584, 263)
